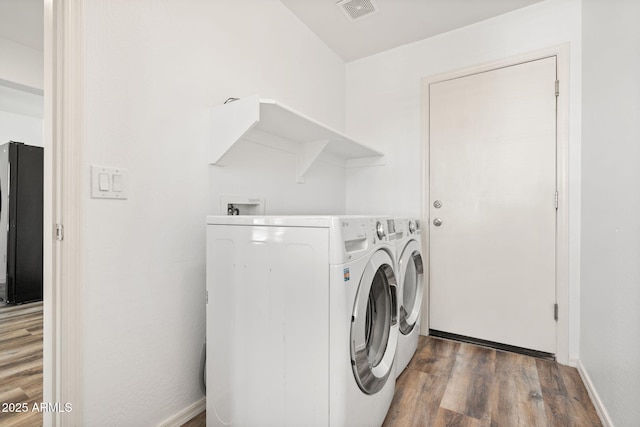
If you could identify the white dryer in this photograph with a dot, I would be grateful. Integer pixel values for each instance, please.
(410, 269)
(302, 321)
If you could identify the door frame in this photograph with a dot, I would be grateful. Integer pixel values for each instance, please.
(63, 205)
(561, 52)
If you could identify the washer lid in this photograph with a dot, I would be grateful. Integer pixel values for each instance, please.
(411, 273)
(374, 324)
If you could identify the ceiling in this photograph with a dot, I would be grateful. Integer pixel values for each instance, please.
(22, 21)
(395, 22)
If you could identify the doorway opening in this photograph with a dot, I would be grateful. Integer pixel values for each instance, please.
(22, 138)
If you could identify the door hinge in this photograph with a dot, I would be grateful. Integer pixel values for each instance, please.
(557, 87)
(556, 200)
(555, 311)
(59, 232)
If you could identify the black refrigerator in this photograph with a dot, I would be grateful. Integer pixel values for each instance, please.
(21, 216)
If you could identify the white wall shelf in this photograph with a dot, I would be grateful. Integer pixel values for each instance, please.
(267, 122)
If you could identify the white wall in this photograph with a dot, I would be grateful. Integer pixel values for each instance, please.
(609, 345)
(20, 117)
(154, 68)
(21, 100)
(21, 65)
(20, 128)
(384, 109)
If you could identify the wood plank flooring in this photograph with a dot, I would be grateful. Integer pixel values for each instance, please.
(453, 384)
(449, 383)
(199, 420)
(21, 363)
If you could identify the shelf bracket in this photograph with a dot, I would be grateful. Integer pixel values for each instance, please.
(307, 155)
(230, 122)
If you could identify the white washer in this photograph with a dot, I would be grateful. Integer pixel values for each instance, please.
(410, 271)
(302, 322)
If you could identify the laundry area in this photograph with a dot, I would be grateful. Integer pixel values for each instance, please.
(333, 213)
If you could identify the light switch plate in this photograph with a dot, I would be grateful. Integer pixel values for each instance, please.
(113, 184)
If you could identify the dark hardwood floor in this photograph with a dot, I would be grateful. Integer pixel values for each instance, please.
(454, 384)
(449, 383)
(20, 364)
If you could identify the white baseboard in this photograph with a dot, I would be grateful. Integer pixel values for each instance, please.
(593, 394)
(186, 414)
(572, 362)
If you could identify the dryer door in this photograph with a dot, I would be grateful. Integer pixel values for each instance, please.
(374, 324)
(412, 272)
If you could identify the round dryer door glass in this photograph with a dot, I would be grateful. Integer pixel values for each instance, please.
(374, 326)
(412, 273)
(377, 325)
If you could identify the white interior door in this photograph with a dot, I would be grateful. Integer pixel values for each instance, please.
(492, 142)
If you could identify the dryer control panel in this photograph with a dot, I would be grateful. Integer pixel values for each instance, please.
(359, 235)
(382, 230)
(414, 226)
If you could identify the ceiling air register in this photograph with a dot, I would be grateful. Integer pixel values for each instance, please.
(356, 9)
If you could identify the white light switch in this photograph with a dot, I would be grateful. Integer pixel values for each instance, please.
(108, 182)
(117, 183)
(103, 182)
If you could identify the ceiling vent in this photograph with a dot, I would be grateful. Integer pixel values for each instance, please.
(356, 9)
